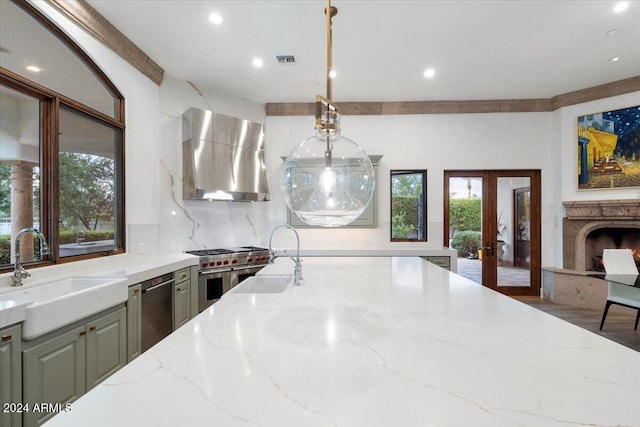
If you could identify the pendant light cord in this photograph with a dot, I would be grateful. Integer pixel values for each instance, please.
(329, 12)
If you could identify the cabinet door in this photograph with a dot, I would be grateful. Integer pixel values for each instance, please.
(54, 372)
(134, 325)
(10, 369)
(181, 304)
(106, 346)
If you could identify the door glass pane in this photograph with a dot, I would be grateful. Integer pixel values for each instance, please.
(19, 174)
(465, 224)
(513, 243)
(87, 173)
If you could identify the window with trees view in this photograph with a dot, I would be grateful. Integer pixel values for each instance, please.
(61, 151)
(408, 206)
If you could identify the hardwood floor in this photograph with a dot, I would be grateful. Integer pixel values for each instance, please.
(618, 327)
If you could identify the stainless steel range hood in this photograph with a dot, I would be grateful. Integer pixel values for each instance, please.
(222, 158)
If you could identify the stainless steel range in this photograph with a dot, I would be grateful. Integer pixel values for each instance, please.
(222, 269)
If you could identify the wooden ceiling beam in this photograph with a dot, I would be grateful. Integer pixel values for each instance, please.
(80, 12)
(619, 87)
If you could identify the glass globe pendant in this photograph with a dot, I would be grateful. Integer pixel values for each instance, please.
(328, 180)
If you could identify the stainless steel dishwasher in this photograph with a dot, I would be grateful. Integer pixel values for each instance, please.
(157, 312)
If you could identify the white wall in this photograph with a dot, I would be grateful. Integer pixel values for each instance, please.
(432, 142)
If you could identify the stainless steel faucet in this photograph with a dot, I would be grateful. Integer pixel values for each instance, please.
(297, 270)
(19, 272)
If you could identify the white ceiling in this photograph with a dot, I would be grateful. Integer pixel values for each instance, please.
(480, 49)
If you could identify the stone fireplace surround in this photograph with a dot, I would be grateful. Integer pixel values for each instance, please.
(583, 217)
(575, 285)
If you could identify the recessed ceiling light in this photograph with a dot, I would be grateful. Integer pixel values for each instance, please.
(333, 74)
(611, 32)
(34, 68)
(216, 18)
(614, 59)
(621, 7)
(429, 73)
(257, 62)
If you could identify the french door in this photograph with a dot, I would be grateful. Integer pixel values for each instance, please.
(492, 218)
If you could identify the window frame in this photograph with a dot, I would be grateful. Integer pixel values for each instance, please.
(425, 232)
(50, 104)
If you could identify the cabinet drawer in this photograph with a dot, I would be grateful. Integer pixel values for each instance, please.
(182, 275)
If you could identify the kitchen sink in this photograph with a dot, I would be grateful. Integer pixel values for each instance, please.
(264, 284)
(56, 304)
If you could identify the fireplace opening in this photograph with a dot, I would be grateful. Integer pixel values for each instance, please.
(610, 238)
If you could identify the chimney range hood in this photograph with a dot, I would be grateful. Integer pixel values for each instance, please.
(222, 158)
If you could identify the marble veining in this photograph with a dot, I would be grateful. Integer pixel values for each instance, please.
(172, 175)
(371, 342)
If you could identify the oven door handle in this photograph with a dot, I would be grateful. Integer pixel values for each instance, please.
(209, 273)
(153, 288)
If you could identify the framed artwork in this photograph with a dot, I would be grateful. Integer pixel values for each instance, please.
(609, 149)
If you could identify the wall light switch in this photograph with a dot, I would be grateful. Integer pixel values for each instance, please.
(141, 248)
(172, 245)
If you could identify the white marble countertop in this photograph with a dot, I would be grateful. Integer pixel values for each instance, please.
(371, 342)
(386, 252)
(134, 269)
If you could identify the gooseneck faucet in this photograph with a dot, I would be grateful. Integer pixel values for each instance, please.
(297, 270)
(19, 272)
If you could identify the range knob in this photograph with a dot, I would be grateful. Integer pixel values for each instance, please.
(225, 262)
(218, 262)
(205, 264)
(235, 261)
(249, 259)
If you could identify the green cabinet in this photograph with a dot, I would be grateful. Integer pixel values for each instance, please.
(134, 322)
(193, 279)
(106, 347)
(10, 379)
(181, 297)
(54, 372)
(64, 366)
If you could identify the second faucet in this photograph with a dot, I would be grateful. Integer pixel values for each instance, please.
(297, 270)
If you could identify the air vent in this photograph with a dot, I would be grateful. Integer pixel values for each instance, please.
(286, 59)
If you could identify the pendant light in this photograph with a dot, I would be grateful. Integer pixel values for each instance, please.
(328, 180)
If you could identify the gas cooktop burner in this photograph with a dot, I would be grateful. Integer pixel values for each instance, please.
(251, 249)
(206, 252)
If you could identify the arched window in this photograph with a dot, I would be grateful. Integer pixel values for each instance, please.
(61, 144)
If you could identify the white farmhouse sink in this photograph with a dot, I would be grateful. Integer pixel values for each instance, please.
(53, 305)
(264, 284)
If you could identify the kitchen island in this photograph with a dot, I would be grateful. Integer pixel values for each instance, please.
(370, 342)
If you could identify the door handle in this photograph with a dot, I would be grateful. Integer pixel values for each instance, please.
(487, 250)
(153, 288)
